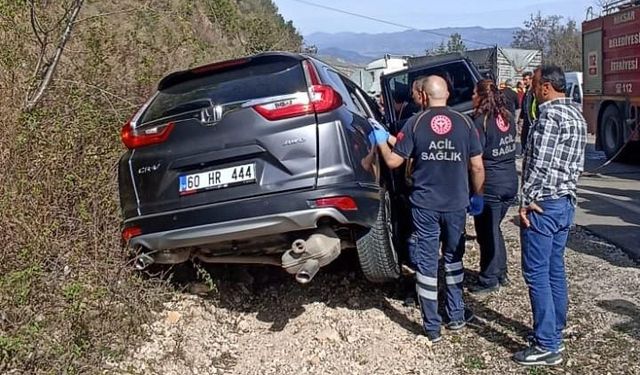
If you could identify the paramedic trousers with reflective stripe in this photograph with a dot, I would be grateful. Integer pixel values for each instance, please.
(543, 245)
(429, 228)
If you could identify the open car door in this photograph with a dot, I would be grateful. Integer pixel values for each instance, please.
(460, 73)
(462, 77)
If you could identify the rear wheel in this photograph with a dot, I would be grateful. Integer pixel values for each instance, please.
(613, 136)
(376, 251)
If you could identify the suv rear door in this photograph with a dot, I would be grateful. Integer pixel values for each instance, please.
(239, 129)
(460, 74)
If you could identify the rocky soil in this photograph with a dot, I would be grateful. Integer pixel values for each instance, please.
(259, 321)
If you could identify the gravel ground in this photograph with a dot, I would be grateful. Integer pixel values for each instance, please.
(259, 321)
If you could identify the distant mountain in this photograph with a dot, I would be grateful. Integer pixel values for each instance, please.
(345, 56)
(362, 47)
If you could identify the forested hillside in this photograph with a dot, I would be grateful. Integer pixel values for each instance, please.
(68, 300)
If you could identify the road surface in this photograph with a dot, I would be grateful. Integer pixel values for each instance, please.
(609, 202)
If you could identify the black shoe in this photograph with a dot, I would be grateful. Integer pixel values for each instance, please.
(536, 356)
(504, 281)
(457, 325)
(480, 289)
(531, 341)
(433, 336)
(410, 301)
(469, 316)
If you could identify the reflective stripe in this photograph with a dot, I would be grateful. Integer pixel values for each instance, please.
(453, 266)
(453, 280)
(426, 280)
(427, 294)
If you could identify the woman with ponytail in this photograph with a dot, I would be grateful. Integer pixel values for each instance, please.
(497, 131)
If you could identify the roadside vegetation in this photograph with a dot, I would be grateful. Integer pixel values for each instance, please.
(68, 299)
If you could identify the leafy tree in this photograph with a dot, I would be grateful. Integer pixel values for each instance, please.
(558, 41)
(565, 47)
(455, 43)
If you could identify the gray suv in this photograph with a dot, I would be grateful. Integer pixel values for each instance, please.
(266, 159)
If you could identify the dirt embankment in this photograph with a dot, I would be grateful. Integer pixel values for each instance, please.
(258, 321)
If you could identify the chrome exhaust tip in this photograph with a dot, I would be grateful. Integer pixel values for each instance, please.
(308, 271)
(143, 261)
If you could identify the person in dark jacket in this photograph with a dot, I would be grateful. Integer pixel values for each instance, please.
(497, 131)
(529, 112)
(511, 97)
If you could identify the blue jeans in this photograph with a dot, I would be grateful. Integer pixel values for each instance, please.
(543, 246)
(424, 248)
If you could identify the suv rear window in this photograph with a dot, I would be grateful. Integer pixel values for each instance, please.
(257, 79)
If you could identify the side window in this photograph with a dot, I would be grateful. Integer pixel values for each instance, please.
(372, 105)
(457, 74)
(569, 90)
(576, 94)
(344, 91)
(360, 108)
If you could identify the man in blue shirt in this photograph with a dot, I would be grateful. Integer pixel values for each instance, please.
(444, 146)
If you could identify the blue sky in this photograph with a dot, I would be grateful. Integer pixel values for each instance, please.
(424, 14)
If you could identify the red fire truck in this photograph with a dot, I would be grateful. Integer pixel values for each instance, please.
(611, 66)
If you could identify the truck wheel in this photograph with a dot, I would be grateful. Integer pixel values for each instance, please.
(611, 131)
(376, 250)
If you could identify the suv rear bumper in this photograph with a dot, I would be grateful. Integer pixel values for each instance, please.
(249, 218)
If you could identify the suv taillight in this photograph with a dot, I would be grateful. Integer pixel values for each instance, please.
(325, 98)
(321, 98)
(135, 138)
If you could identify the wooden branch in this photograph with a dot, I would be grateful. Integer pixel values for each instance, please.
(34, 23)
(35, 99)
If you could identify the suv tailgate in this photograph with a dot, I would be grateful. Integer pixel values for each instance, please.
(221, 148)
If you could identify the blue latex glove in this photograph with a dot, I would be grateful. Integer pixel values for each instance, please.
(476, 205)
(379, 135)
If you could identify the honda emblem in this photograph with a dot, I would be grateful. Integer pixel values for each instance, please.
(211, 115)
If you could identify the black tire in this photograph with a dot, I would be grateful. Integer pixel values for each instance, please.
(376, 250)
(612, 133)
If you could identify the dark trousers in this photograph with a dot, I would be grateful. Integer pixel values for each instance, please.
(493, 252)
(424, 248)
(524, 134)
(543, 247)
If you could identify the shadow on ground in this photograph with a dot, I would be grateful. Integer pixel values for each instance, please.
(630, 311)
(599, 248)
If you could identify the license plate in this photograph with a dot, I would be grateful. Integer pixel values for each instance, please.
(217, 178)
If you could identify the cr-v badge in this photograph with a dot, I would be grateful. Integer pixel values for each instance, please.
(149, 168)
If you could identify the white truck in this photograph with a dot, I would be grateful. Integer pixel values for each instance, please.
(368, 78)
(498, 63)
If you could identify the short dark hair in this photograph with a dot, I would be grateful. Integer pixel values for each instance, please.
(554, 75)
(527, 74)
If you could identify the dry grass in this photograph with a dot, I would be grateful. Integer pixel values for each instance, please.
(68, 298)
